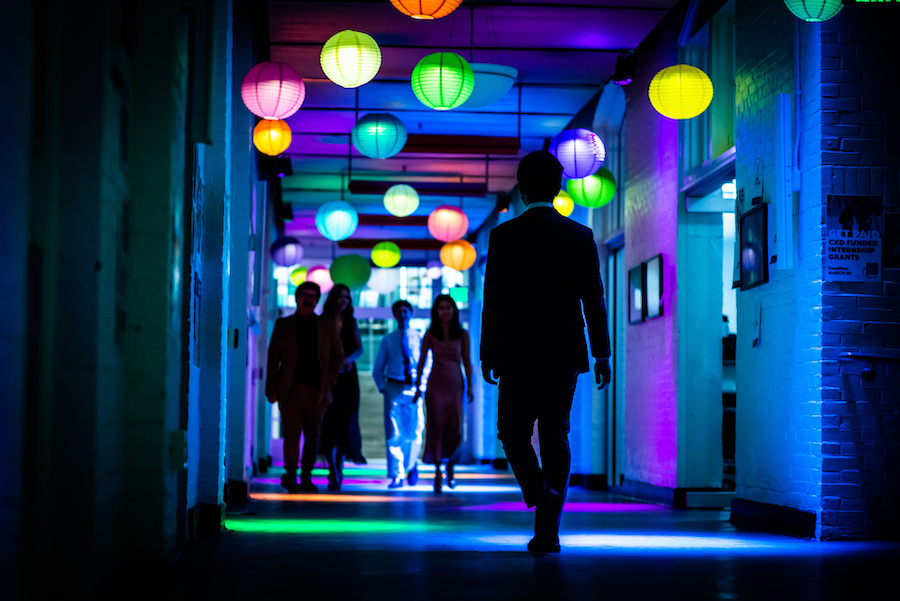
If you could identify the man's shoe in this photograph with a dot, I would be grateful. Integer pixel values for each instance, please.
(413, 476)
(358, 459)
(334, 485)
(396, 482)
(307, 486)
(541, 546)
(289, 482)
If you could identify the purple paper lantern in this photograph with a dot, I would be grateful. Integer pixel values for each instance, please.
(286, 251)
(580, 152)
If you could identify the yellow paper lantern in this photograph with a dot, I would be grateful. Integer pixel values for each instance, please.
(680, 92)
(426, 9)
(385, 254)
(563, 203)
(298, 276)
(272, 136)
(458, 255)
(350, 58)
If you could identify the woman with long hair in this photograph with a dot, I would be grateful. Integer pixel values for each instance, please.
(449, 346)
(340, 435)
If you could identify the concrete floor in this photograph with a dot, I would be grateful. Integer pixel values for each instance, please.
(369, 543)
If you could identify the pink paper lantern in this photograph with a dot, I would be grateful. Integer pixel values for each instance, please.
(273, 90)
(448, 223)
(321, 276)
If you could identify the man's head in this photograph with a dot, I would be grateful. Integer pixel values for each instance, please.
(402, 313)
(307, 295)
(540, 177)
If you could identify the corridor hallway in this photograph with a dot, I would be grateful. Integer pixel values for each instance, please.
(369, 543)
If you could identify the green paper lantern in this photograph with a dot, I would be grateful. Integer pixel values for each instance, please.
(594, 190)
(351, 270)
(443, 81)
(386, 254)
(401, 200)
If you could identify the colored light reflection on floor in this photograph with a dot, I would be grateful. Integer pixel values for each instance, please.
(320, 497)
(307, 526)
(571, 507)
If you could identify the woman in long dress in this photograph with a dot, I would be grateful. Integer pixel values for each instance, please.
(449, 346)
(338, 439)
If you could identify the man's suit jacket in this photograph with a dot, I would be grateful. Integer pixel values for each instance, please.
(282, 358)
(542, 269)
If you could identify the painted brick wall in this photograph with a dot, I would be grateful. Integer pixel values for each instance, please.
(778, 367)
(861, 156)
(650, 205)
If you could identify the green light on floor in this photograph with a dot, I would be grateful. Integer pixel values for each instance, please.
(288, 526)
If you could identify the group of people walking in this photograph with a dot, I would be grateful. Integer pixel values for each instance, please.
(311, 362)
(324, 357)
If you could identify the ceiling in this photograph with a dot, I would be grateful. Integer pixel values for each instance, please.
(565, 52)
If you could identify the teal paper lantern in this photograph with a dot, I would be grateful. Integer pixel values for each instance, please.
(401, 200)
(353, 271)
(594, 190)
(443, 81)
(378, 135)
(814, 11)
(336, 220)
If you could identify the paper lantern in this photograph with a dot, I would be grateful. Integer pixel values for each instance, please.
(321, 276)
(378, 135)
(336, 220)
(458, 255)
(350, 58)
(353, 271)
(298, 276)
(426, 9)
(680, 92)
(286, 251)
(580, 152)
(443, 80)
(272, 90)
(491, 83)
(563, 203)
(434, 269)
(385, 254)
(401, 200)
(272, 136)
(594, 190)
(384, 281)
(814, 10)
(448, 223)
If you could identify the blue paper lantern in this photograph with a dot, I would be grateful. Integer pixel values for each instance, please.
(336, 220)
(286, 251)
(378, 135)
(580, 152)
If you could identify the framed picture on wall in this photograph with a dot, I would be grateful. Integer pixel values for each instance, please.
(754, 248)
(636, 294)
(653, 287)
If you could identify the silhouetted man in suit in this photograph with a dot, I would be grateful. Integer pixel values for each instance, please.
(532, 337)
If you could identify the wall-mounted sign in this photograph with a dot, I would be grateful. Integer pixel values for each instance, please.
(853, 239)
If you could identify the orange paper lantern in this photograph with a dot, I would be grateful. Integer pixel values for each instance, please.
(458, 255)
(272, 136)
(426, 9)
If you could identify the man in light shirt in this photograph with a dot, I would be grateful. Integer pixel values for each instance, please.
(404, 416)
